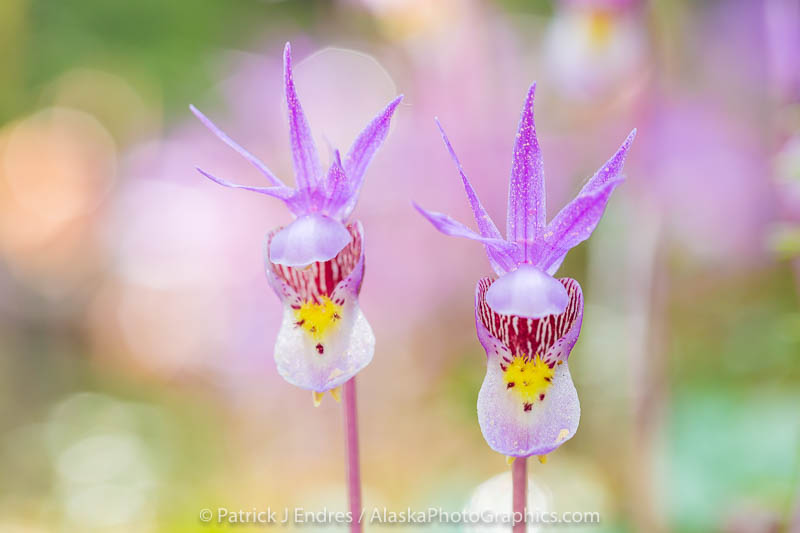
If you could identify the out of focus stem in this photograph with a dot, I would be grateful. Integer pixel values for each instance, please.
(519, 481)
(351, 453)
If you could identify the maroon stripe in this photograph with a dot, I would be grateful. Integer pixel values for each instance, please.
(529, 336)
(320, 278)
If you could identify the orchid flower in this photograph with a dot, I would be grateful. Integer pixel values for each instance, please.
(527, 320)
(316, 263)
(591, 47)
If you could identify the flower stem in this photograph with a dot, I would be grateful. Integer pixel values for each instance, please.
(519, 480)
(351, 451)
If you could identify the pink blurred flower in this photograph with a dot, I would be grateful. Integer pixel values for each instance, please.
(596, 48)
(707, 174)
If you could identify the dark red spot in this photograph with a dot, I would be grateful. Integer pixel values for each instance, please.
(295, 307)
(510, 385)
(336, 316)
(300, 323)
(320, 349)
(541, 397)
(503, 367)
(548, 379)
(528, 406)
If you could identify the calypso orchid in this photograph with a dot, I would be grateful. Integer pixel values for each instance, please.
(527, 320)
(316, 263)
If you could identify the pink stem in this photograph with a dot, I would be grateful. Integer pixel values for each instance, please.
(519, 480)
(351, 451)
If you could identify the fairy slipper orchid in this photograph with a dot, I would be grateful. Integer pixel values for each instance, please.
(527, 320)
(315, 264)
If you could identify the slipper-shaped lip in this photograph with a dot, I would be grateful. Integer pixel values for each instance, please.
(511, 424)
(320, 362)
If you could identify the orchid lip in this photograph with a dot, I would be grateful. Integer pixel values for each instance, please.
(308, 239)
(324, 339)
(527, 292)
(528, 404)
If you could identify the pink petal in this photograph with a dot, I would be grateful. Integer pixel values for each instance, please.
(526, 194)
(611, 170)
(230, 142)
(294, 201)
(364, 148)
(575, 223)
(501, 253)
(304, 152)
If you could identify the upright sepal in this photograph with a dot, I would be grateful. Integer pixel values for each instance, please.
(612, 168)
(486, 225)
(575, 223)
(363, 149)
(526, 192)
(337, 189)
(304, 151)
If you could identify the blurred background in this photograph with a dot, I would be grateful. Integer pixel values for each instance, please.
(137, 384)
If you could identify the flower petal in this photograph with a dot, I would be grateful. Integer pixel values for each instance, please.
(611, 170)
(574, 223)
(511, 430)
(364, 148)
(527, 292)
(244, 153)
(486, 225)
(323, 358)
(337, 186)
(511, 422)
(304, 152)
(526, 193)
(294, 201)
(501, 253)
(308, 239)
(346, 351)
